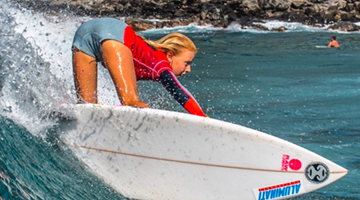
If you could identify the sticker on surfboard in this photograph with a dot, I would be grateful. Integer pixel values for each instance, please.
(279, 191)
(317, 172)
(290, 163)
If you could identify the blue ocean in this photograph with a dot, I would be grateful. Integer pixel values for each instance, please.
(285, 84)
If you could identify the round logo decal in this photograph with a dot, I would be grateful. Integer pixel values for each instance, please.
(317, 172)
(295, 164)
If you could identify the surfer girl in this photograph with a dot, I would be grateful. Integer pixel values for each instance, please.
(333, 42)
(128, 58)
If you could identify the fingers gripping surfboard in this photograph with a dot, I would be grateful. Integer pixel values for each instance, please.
(156, 154)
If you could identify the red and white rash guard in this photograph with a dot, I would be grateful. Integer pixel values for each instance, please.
(152, 64)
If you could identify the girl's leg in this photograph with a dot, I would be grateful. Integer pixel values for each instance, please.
(119, 61)
(85, 77)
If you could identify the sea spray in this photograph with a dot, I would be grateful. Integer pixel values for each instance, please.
(27, 85)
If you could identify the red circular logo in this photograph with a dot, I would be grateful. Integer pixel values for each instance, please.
(295, 164)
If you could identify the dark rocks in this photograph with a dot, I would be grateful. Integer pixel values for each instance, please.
(220, 13)
(263, 28)
(344, 26)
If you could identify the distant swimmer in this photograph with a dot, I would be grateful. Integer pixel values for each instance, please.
(333, 42)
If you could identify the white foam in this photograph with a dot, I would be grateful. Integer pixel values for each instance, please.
(290, 26)
(53, 36)
(190, 28)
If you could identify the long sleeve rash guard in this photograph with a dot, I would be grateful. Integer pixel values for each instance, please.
(152, 64)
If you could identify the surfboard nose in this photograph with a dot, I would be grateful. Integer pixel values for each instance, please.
(341, 172)
(321, 174)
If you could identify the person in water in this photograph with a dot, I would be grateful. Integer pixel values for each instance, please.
(130, 57)
(333, 42)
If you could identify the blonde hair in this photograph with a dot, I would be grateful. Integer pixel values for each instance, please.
(175, 42)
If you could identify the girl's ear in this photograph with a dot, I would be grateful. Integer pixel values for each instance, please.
(169, 55)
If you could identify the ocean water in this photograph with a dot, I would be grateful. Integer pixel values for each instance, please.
(278, 83)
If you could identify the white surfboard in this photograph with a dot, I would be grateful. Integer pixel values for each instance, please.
(321, 47)
(156, 154)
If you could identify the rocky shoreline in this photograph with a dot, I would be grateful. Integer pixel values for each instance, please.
(146, 14)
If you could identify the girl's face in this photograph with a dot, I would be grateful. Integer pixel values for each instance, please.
(181, 62)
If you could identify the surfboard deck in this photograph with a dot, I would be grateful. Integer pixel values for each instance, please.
(157, 154)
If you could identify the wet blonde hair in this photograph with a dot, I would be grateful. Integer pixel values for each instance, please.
(175, 42)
